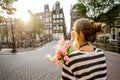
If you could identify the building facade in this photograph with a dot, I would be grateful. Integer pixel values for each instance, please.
(74, 15)
(47, 21)
(58, 21)
(115, 29)
(53, 21)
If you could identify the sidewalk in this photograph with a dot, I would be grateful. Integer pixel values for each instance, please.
(8, 50)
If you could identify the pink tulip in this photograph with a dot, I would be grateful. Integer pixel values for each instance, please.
(48, 56)
(58, 55)
(67, 44)
(64, 52)
(61, 53)
(56, 47)
(54, 59)
(66, 58)
(58, 50)
(58, 63)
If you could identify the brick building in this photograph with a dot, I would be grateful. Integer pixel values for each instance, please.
(74, 16)
(54, 21)
(58, 21)
(47, 21)
(115, 29)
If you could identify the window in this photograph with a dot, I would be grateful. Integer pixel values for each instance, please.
(57, 20)
(57, 27)
(113, 33)
(61, 20)
(54, 16)
(57, 11)
(54, 28)
(118, 22)
(50, 19)
(61, 27)
(61, 15)
(57, 15)
(47, 20)
(54, 21)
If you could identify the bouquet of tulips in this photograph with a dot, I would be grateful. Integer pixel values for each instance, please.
(62, 50)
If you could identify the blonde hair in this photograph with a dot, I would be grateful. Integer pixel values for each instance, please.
(89, 28)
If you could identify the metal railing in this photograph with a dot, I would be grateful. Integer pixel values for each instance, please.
(110, 46)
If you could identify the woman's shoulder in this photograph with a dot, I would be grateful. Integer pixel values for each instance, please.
(84, 53)
(76, 53)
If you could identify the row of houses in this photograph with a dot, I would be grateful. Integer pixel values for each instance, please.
(54, 20)
(55, 24)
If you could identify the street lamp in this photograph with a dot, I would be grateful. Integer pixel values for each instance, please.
(49, 33)
(0, 37)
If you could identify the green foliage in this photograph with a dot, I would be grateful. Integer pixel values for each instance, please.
(36, 24)
(20, 25)
(102, 10)
(6, 5)
(81, 9)
(1, 18)
(69, 50)
(5, 32)
(110, 15)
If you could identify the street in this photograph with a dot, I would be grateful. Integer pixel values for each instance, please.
(29, 65)
(32, 65)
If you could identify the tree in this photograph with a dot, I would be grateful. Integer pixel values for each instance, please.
(97, 7)
(1, 18)
(6, 33)
(20, 27)
(36, 24)
(110, 15)
(6, 6)
(81, 9)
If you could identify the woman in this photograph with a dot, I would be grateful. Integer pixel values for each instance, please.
(86, 62)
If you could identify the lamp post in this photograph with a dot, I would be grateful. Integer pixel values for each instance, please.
(49, 33)
(0, 37)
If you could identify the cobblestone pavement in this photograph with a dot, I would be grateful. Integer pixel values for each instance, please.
(31, 65)
(113, 62)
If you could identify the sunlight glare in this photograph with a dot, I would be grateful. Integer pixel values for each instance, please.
(25, 16)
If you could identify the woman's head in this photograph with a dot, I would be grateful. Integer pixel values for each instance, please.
(85, 30)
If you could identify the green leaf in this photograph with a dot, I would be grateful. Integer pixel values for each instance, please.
(69, 50)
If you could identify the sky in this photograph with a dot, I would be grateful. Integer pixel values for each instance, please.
(38, 6)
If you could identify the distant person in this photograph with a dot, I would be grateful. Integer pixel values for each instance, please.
(86, 62)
